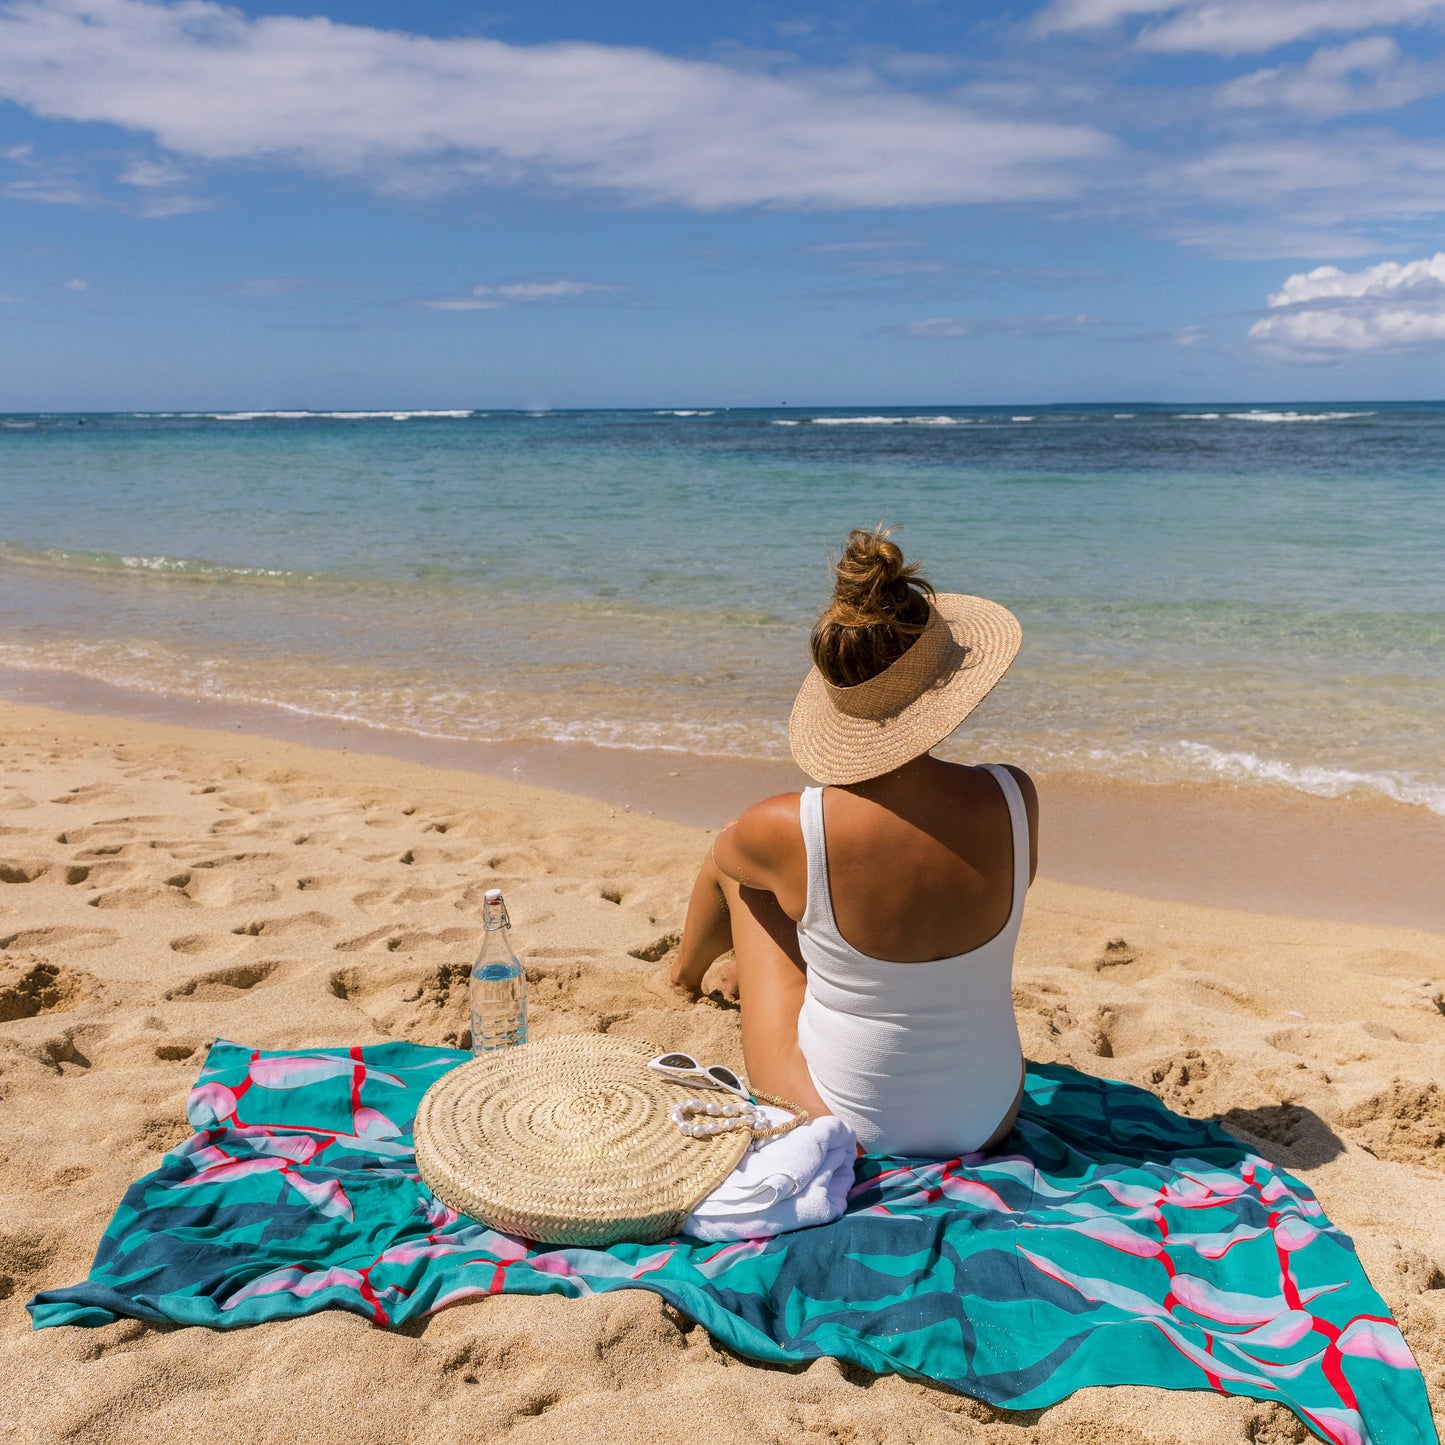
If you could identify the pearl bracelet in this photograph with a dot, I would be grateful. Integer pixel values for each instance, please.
(722, 1117)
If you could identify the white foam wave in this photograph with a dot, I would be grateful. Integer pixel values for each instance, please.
(1022, 418)
(189, 568)
(1296, 415)
(665, 412)
(1324, 782)
(322, 415)
(1198, 415)
(883, 421)
(1125, 415)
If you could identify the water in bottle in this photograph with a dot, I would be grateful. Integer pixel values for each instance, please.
(499, 987)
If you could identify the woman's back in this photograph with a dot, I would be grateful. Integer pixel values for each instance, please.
(921, 862)
(908, 936)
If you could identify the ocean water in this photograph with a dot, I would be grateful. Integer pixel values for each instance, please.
(1248, 593)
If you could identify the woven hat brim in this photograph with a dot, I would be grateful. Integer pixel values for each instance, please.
(568, 1140)
(837, 747)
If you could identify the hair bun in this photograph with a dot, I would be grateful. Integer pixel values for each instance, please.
(880, 605)
(872, 584)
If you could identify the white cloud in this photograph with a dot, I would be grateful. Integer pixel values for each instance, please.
(57, 190)
(1362, 75)
(157, 181)
(264, 286)
(46, 183)
(951, 326)
(76, 283)
(148, 174)
(162, 206)
(1237, 27)
(515, 293)
(1329, 182)
(1272, 241)
(1328, 314)
(209, 83)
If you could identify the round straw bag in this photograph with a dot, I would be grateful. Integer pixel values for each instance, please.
(569, 1140)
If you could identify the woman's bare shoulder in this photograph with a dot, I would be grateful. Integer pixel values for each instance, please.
(762, 840)
(1026, 786)
(772, 821)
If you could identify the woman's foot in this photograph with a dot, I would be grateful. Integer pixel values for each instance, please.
(723, 976)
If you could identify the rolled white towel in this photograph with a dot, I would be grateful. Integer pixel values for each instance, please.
(796, 1180)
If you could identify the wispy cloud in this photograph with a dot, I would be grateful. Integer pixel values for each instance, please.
(1268, 240)
(45, 182)
(1362, 75)
(1337, 184)
(1235, 27)
(964, 326)
(77, 283)
(150, 174)
(266, 286)
(515, 293)
(1329, 315)
(210, 83)
(159, 182)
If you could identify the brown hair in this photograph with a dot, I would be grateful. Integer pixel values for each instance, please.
(880, 605)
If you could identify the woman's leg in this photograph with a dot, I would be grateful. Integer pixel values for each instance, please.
(722, 915)
(706, 932)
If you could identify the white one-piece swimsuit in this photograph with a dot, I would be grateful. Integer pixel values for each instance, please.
(922, 1059)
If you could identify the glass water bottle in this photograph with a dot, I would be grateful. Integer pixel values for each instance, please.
(498, 987)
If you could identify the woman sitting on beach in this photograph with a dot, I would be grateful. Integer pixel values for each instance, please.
(873, 920)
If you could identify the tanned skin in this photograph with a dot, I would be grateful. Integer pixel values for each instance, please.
(920, 866)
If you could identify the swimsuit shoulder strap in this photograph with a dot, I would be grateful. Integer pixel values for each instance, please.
(1019, 821)
(818, 915)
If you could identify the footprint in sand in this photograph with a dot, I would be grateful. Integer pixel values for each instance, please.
(148, 896)
(1301, 1138)
(199, 943)
(216, 888)
(1130, 962)
(288, 923)
(425, 945)
(62, 1053)
(1404, 1123)
(423, 1005)
(658, 949)
(14, 871)
(176, 1051)
(91, 793)
(383, 896)
(42, 938)
(42, 988)
(99, 833)
(222, 984)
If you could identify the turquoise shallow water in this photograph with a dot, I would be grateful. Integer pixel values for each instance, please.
(1255, 593)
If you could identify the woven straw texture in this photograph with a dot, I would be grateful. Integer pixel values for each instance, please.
(568, 1140)
(845, 734)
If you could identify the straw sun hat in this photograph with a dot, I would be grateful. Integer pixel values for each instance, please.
(569, 1140)
(846, 734)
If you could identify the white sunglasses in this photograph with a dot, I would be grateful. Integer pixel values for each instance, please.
(684, 1069)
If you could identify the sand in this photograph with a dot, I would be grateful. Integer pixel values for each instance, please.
(160, 886)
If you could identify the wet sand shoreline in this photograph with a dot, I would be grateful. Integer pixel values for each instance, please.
(1263, 848)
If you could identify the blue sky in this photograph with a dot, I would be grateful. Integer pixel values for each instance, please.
(377, 204)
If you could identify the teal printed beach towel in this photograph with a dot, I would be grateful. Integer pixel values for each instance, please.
(1107, 1242)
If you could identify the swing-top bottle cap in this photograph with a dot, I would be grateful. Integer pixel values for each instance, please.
(493, 895)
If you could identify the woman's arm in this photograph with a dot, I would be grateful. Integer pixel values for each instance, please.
(756, 851)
